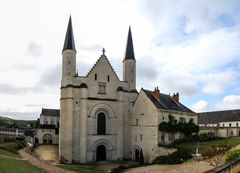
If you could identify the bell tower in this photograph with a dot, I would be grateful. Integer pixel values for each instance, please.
(129, 63)
(68, 56)
(67, 96)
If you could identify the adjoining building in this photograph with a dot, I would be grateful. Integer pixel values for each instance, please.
(150, 109)
(221, 123)
(48, 130)
(105, 118)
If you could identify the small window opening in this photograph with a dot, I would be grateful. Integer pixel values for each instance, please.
(136, 122)
(95, 76)
(140, 137)
(108, 78)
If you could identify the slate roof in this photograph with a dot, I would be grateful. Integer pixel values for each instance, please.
(129, 49)
(218, 116)
(167, 102)
(50, 112)
(69, 39)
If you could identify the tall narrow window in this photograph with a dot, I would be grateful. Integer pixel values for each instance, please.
(95, 76)
(136, 122)
(101, 124)
(108, 78)
(140, 137)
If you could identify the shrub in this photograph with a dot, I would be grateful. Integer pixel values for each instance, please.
(207, 136)
(180, 156)
(232, 155)
(214, 150)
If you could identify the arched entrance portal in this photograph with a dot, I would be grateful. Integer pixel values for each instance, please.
(101, 153)
(137, 155)
(47, 139)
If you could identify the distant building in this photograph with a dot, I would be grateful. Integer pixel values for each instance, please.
(48, 130)
(221, 123)
(11, 132)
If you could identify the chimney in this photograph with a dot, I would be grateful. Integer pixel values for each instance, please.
(176, 97)
(156, 93)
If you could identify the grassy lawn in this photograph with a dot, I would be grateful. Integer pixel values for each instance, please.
(14, 146)
(83, 168)
(11, 163)
(230, 142)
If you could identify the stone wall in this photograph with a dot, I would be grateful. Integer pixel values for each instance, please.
(229, 167)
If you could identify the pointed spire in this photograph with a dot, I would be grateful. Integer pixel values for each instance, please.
(129, 49)
(69, 39)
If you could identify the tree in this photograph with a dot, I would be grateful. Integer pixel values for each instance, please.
(141, 159)
(172, 126)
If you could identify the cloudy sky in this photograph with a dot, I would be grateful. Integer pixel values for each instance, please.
(186, 46)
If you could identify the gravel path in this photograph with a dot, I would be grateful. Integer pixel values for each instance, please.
(188, 167)
(24, 153)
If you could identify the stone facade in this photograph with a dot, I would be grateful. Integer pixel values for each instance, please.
(48, 130)
(97, 111)
(221, 123)
(146, 117)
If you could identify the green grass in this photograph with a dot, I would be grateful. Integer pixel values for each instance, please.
(14, 146)
(230, 142)
(11, 163)
(83, 168)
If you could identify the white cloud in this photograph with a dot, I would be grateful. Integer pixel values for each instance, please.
(229, 102)
(216, 82)
(34, 49)
(180, 46)
(200, 106)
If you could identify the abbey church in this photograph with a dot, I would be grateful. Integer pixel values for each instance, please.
(105, 118)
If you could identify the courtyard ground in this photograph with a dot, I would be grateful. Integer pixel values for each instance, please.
(188, 167)
(46, 157)
(34, 160)
(49, 153)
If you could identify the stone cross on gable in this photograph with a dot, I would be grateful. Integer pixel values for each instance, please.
(103, 51)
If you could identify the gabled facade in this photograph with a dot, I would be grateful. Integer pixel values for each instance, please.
(101, 116)
(95, 109)
(150, 109)
(48, 130)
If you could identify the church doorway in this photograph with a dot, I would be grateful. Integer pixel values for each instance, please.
(47, 139)
(137, 155)
(36, 140)
(101, 153)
